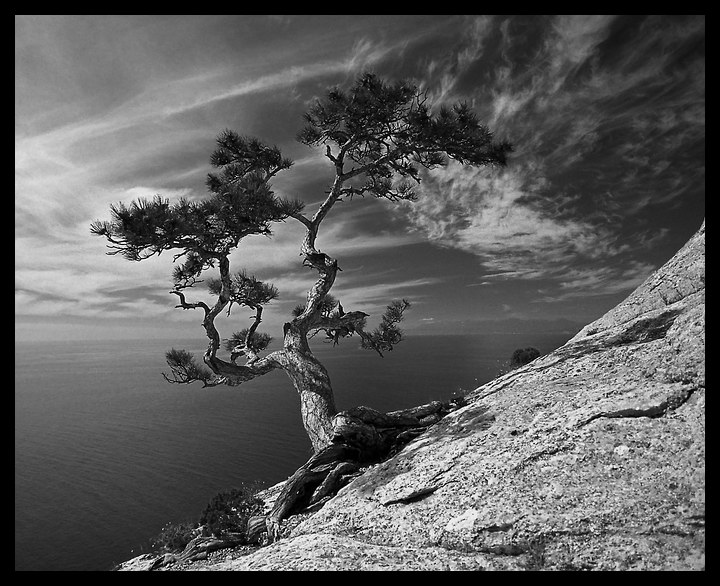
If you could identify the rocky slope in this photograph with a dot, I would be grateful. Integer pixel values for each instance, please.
(591, 457)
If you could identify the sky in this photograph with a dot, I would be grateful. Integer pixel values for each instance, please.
(606, 183)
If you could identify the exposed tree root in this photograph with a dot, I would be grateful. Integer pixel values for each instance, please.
(362, 437)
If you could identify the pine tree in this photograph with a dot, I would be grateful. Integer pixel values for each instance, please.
(379, 138)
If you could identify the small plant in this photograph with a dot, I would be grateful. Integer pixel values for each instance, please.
(459, 397)
(229, 511)
(174, 537)
(522, 356)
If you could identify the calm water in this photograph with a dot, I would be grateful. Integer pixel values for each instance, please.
(106, 452)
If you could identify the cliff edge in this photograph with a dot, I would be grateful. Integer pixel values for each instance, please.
(590, 457)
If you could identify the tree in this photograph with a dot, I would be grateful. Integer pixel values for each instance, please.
(378, 137)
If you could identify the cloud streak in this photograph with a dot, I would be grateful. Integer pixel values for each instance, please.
(61, 184)
(594, 131)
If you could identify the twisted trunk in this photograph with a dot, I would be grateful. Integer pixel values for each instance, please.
(317, 403)
(309, 377)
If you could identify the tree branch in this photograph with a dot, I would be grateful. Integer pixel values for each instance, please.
(329, 155)
(324, 264)
(327, 204)
(242, 373)
(185, 305)
(355, 171)
(387, 334)
(186, 370)
(341, 325)
(210, 314)
(302, 219)
(248, 349)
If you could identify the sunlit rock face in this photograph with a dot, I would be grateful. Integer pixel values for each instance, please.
(590, 457)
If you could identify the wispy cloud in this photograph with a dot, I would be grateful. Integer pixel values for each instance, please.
(469, 48)
(607, 115)
(593, 144)
(64, 180)
(487, 213)
(603, 280)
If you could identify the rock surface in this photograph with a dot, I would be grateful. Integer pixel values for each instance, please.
(590, 457)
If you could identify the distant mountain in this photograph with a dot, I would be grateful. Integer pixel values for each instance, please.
(513, 325)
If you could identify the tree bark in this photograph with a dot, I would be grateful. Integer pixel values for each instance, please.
(317, 402)
(312, 382)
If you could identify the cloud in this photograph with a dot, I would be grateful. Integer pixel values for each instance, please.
(362, 294)
(594, 129)
(62, 268)
(80, 294)
(66, 177)
(485, 213)
(576, 38)
(496, 216)
(604, 280)
(607, 116)
(448, 67)
(84, 153)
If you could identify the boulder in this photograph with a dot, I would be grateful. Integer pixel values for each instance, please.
(591, 457)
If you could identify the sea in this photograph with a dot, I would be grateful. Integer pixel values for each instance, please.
(107, 453)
